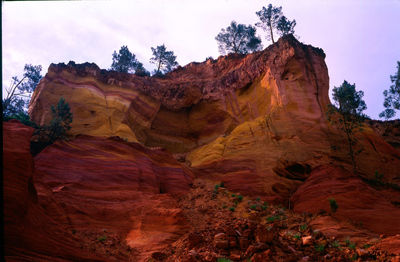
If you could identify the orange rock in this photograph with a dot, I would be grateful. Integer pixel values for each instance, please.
(306, 240)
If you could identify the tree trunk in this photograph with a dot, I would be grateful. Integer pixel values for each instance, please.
(270, 30)
(348, 132)
(159, 65)
(272, 35)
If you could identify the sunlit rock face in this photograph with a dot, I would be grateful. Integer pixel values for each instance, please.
(256, 122)
(259, 119)
(192, 105)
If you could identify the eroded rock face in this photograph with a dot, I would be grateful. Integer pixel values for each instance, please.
(256, 123)
(359, 203)
(192, 105)
(30, 234)
(114, 186)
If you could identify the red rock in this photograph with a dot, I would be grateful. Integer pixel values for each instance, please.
(357, 201)
(261, 257)
(109, 183)
(29, 233)
(264, 235)
(221, 241)
(306, 240)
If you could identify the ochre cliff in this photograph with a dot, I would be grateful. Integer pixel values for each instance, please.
(258, 118)
(145, 154)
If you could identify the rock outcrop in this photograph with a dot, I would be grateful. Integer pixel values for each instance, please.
(30, 233)
(256, 123)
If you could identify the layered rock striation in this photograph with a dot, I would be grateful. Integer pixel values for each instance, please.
(256, 123)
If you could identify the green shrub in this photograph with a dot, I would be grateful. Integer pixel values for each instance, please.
(21, 117)
(232, 209)
(102, 238)
(333, 205)
(253, 207)
(57, 129)
(273, 218)
(222, 259)
(303, 227)
(335, 244)
(320, 248)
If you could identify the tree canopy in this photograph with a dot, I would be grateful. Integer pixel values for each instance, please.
(349, 105)
(124, 61)
(20, 91)
(285, 26)
(271, 19)
(239, 39)
(57, 129)
(164, 60)
(392, 96)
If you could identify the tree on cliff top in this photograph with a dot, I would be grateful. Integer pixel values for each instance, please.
(271, 18)
(392, 96)
(349, 106)
(239, 39)
(164, 60)
(124, 61)
(20, 91)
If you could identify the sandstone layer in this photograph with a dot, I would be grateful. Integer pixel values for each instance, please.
(30, 233)
(86, 192)
(257, 123)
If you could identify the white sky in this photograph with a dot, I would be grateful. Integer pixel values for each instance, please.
(361, 38)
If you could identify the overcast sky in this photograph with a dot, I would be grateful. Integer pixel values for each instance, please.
(361, 38)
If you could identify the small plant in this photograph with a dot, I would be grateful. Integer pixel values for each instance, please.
(258, 199)
(216, 187)
(273, 218)
(264, 207)
(233, 195)
(366, 246)
(350, 244)
(336, 244)
(253, 207)
(320, 248)
(240, 198)
(232, 209)
(102, 238)
(303, 227)
(378, 178)
(224, 206)
(222, 184)
(333, 205)
(297, 236)
(222, 259)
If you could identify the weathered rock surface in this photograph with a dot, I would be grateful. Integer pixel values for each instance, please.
(389, 130)
(30, 233)
(92, 190)
(256, 123)
(357, 202)
(113, 186)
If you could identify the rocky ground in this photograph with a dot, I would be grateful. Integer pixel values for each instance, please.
(228, 226)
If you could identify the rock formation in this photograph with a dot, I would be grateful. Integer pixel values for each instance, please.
(256, 123)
